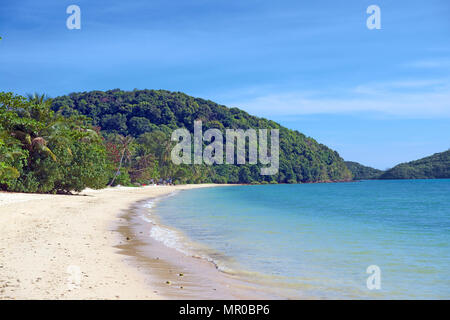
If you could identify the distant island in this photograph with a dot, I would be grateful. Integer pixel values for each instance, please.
(436, 166)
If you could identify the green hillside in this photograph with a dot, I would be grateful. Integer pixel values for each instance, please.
(95, 139)
(433, 167)
(142, 113)
(361, 172)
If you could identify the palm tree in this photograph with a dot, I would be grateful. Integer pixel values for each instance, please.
(34, 140)
(125, 153)
(37, 98)
(160, 145)
(33, 144)
(40, 107)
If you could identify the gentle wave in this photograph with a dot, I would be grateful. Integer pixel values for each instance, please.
(175, 239)
(169, 238)
(149, 204)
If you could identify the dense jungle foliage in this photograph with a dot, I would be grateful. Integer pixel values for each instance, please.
(148, 117)
(44, 151)
(94, 139)
(361, 172)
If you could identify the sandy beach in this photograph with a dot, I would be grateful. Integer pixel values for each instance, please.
(75, 247)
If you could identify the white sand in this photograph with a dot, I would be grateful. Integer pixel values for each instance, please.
(62, 247)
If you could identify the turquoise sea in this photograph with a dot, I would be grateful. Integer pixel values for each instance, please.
(317, 240)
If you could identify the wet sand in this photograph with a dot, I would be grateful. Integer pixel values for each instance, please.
(173, 274)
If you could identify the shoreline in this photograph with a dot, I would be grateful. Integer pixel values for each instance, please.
(175, 274)
(51, 246)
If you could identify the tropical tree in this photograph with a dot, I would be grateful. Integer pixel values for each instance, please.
(9, 153)
(160, 146)
(125, 151)
(47, 151)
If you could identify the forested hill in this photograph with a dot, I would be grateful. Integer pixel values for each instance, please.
(136, 113)
(436, 166)
(361, 172)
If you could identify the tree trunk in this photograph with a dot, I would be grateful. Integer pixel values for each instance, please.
(118, 169)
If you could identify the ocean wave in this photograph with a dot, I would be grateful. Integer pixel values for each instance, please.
(146, 219)
(146, 216)
(170, 238)
(175, 239)
(149, 204)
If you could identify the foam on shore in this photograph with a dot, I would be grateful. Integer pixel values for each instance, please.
(176, 239)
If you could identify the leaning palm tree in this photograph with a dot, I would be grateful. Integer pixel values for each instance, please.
(125, 153)
(33, 144)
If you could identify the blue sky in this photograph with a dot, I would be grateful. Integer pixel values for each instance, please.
(378, 97)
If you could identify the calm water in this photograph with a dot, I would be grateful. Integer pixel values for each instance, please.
(317, 240)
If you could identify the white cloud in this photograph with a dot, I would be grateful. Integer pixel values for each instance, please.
(409, 98)
(429, 63)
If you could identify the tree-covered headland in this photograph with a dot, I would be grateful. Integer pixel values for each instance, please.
(361, 172)
(436, 166)
(94, 139)
(152, 115)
